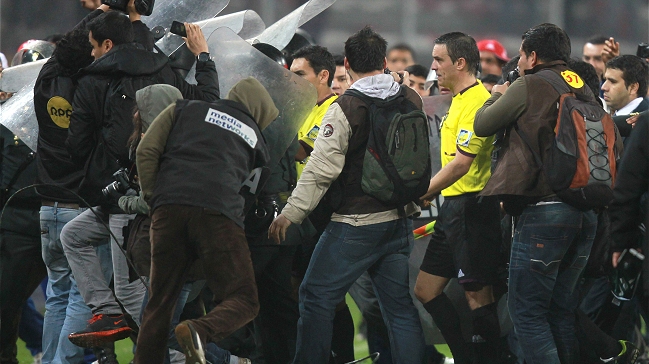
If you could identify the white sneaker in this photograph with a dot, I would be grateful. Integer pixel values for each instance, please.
(38, 358)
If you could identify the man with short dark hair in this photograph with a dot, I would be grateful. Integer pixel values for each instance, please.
(340, 83)
(551, 240)
(467, 233)
(417, 74)
(316, 65)
(400, 56)
(364, 234)
(592, 53)
(100, 125)
(625, 84)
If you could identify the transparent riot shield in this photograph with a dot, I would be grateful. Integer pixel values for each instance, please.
(18, 115)
(280, 33)
(191, 11)
(13, 79)
(246, 24)
(295, 97)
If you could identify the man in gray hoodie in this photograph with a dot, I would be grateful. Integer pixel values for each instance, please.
(364, 234)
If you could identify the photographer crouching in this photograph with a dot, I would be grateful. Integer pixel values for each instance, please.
(192, 163)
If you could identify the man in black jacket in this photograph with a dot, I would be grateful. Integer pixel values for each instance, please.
(100, 125)
(53, 95)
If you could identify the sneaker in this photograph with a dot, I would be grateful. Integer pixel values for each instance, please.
(190, 342)
(106, 354)
(628, 355)
(102, 329)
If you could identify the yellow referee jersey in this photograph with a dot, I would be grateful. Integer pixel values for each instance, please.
(457, 136)
(311, 127)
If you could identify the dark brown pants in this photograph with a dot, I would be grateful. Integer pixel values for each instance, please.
(179, 235)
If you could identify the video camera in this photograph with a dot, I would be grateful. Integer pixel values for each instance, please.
(643, 51)
(143, 7)
(120, 185)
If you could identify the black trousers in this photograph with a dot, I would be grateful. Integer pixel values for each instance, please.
(21, 270)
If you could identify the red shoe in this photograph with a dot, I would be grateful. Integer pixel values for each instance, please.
(102, 329)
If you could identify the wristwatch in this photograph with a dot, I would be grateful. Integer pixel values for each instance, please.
(203, 57)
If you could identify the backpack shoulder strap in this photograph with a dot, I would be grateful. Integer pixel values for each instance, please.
(555, 80)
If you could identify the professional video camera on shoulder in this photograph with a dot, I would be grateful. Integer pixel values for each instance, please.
(143, 7)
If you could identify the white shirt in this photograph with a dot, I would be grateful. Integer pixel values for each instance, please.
(628, 108)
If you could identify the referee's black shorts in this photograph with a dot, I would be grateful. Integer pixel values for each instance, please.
(466, 241)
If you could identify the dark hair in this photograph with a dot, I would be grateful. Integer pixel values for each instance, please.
(459, 45)
(319, 59)
(587, 72)
(339, 60)
(417, 70)
(548, 41)
(365, 51)
(403, 47)
(597, 39)
(490, 78)
(73, 51)
(111, 25)
(634, 69)
(138, 128)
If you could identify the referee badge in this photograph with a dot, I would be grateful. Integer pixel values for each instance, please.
(464, 138)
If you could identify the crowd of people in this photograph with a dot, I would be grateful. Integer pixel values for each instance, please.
(150, 230)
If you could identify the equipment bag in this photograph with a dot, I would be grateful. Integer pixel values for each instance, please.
(396, 166)
(580, 165)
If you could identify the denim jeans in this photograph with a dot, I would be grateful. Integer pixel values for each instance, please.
(65, 310)
(550, 249)
(343, 253)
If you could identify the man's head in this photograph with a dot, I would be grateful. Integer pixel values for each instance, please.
(365, 52)
(593, 53)
(73, 51)
(493, 56)
(542, 44)
(625, 79)
(151, 101)
(400, 56)
(455, 56)
(340, 83)
(108, 30)
(252, 94)
(418, 74)
(587, 72)
(90, 4)
(316, 65)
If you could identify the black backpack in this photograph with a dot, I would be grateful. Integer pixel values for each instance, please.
(396, 166)
(580, 166)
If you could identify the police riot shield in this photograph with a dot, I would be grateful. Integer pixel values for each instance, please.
(295, 97)
(14, 78)
(18, 115)
(280, 33)
(246, 24)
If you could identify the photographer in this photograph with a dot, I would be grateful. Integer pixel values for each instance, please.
(192, 149)
(100, 125)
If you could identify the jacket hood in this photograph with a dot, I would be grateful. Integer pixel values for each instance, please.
(251, 94)
(151, 100)
(127, 59)
(378, 86)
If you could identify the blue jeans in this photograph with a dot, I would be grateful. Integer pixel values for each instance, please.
(65, 310)
(549, 252)
(343, 253)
